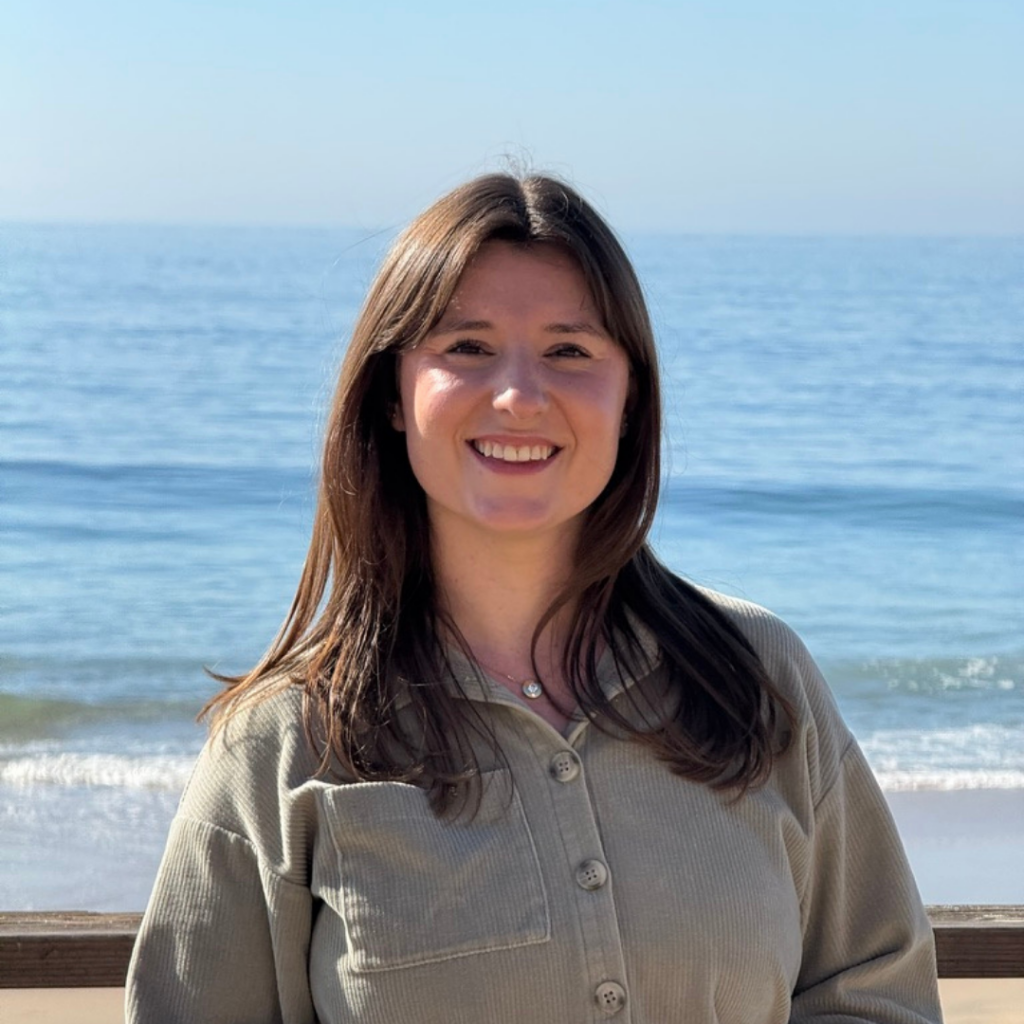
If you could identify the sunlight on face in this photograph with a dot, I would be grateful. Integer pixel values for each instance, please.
(513, 404)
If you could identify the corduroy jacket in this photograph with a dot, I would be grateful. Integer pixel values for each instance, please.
(592, 884)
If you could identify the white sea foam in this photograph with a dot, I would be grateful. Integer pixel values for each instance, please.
(923, 779)
(163, 771)
(170, 773)
(978, 756)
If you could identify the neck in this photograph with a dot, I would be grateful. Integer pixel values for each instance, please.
(497, 590)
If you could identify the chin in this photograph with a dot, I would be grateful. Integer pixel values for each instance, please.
(526, 519)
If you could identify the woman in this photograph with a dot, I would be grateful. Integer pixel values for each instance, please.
(500, 764)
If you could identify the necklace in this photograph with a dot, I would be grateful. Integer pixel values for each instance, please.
(530, 688)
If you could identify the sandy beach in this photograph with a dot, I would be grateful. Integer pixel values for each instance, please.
(967, 1001)
(964, 845)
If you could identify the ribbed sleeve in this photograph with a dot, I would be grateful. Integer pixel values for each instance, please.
(868, 953)
(224, 941)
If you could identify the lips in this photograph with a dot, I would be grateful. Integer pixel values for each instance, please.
(514, 453)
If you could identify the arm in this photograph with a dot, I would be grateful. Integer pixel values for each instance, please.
(224, 939)
(868, 953)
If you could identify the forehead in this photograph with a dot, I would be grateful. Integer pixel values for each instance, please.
(503, 273)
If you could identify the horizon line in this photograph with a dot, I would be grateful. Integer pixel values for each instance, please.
(370, 233)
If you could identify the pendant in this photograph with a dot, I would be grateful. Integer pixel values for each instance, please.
(532, 689)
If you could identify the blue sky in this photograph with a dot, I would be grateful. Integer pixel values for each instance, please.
(905, 116)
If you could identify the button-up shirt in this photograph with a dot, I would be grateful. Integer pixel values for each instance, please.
(591, 884)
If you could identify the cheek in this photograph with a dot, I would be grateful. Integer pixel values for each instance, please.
(602, 405)
(431, 402)
(604, 428)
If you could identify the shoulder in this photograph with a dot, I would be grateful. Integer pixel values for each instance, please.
(773, 639)
(818, 729)
(262, 732)
(256, 772)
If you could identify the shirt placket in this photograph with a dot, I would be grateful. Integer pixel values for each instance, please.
(588, 879)
(584, 867)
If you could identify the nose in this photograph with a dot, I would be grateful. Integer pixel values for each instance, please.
(520, 389)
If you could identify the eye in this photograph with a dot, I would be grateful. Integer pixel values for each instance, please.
(466, 347)
(569, 350)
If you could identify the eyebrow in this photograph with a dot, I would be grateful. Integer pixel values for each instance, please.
(571, 327)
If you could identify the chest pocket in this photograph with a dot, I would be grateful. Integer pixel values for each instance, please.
(413, 888)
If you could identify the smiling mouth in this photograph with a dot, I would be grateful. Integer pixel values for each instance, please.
(514, 453)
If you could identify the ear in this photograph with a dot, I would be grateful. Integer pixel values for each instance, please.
(630, 404)
(397, 416)
(395, 412)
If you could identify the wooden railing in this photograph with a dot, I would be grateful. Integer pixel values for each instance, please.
(975, 942)
(72, 950)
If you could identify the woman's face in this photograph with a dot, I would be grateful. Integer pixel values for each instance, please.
(513, 404)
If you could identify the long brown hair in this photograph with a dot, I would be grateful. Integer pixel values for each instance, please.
(364, 621)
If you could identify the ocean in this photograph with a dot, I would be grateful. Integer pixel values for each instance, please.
(844, 444)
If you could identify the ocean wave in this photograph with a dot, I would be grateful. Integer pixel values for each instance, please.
(926, 779)
(160, 772)
(1002, 673)
(977, 673)
(169, 773)
(24, 718)
(982, 745)
(978, 756)
(899, 507)
(177, 482)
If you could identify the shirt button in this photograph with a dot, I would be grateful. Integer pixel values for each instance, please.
(564, 766)
(591, 874)
(611, 997)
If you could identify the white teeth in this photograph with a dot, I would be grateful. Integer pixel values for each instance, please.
(509, 453)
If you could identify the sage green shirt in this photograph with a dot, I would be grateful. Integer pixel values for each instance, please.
(593, 885)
